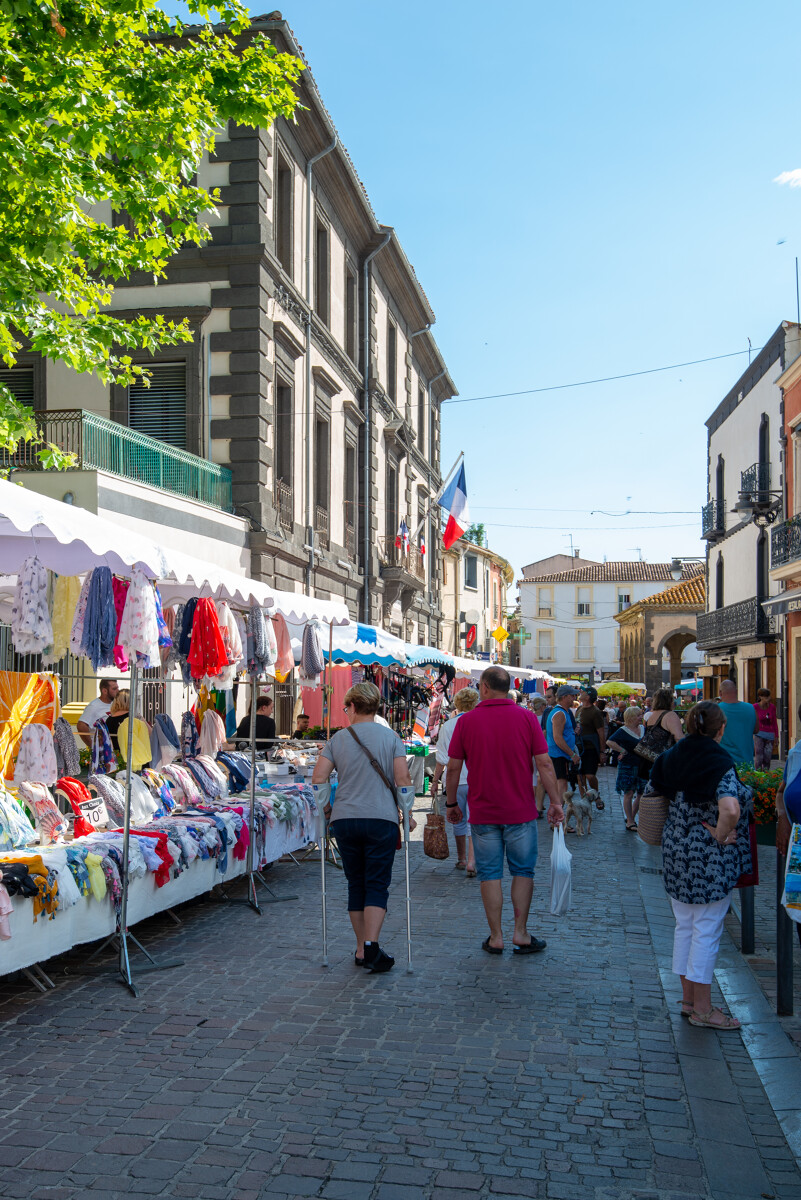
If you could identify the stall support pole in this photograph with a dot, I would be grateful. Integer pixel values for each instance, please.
(123, 934)
(252, 874)
(329, 682)
(784, 945)
(747, 929)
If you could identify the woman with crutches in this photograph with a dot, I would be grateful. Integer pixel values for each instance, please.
(373, 784)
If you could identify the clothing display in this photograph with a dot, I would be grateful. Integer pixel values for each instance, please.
(120, 587)
(312, 659)
(24, 700)
(36, 756)
(165, 745)
(90, 811)
(15, 828)
(66, 591)
(140, 747)
(99, 632)
(31, 628)
(103, 756)
(139, 629)
(68, 759)
(285, 659)
(212, 733)
(51, 824)
(207, 654)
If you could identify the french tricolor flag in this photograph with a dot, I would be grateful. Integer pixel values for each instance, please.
(454, 497)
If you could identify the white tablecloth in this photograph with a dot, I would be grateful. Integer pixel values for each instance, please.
(92, 919)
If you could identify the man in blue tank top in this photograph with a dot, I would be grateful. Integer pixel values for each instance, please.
(560, 732)
(741, 724)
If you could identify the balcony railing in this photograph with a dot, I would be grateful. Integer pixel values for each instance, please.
(102, 445)
(743, 622)
(283, 499)
(321, 528)
(755, 483)
(713, 519)
(410, 560)
(785, 542)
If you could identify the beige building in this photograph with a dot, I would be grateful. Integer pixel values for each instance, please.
(301, 425)
(660, 625)
(475, 581)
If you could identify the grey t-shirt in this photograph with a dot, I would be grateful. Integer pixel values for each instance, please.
(360, 792)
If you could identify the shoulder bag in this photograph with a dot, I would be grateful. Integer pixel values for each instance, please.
(654, 741)
(374, 763)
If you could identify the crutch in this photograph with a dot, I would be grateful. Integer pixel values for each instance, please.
(406, 802)
(322, 794)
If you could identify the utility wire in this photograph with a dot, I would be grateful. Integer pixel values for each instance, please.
(558, 387)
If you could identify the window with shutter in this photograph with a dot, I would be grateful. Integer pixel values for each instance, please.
(160, 410)
(19, 381)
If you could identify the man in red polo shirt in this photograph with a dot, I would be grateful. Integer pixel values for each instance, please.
(501, 744)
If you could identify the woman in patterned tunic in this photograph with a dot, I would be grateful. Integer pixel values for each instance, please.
(705, 849)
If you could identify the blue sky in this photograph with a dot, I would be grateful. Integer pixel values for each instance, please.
(584, 190)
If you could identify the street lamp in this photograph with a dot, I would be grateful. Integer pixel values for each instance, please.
(677, 566)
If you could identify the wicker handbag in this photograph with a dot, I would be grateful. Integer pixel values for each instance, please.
(652, 816)
(435, 837)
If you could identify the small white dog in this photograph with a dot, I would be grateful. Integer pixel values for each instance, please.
(579, 807)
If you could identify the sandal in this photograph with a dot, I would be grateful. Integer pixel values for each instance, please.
(707, 1020)
(470, 872)
(631, 828)
(485, 945)
(686, 1008)
(460, 864)
(532, 947)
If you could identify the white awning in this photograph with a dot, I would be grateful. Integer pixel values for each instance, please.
(300, 609)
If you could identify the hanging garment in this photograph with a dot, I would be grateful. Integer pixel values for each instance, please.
(100, 621)
(24, 700)
(103, 756)
(232, 642)
(139, 629)
(312, 659)
(31, 628)
(66, 590)
(140, 749)
(76, 634)
(212, 733)
(207, 655)
(143, 804)
(36, 756)
(120, 587)
(90, 811)
(15, 828)
(173, 657)
(6, 909)
(68, 758)
(190, 742)
(257, 645)
(285, 659)
(166, 623)
(51, 824)
(165, 745)
(112, 793)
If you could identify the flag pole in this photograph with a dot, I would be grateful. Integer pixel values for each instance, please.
(432, 499)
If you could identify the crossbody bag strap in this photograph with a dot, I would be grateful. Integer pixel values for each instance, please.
(374, 763)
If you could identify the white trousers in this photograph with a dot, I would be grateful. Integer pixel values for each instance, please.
(697, 938)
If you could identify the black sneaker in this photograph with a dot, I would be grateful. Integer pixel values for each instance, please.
(376, 960)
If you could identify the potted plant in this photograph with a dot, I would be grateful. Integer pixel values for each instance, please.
(764, 785)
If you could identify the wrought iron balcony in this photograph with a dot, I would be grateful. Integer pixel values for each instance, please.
(102, 445)
(743, 622)
(785, 542)
(321, 526)
(411, 561)
(713, 520)
(755, 484)
(284, 503)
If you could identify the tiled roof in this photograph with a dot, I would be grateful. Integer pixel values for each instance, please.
(688, 593)
(620, 572)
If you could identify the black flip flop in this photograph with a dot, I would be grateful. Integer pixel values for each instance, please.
(533, 947)
(485, 945)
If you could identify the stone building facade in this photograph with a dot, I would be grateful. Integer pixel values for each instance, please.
(659, 625)
(312, 374)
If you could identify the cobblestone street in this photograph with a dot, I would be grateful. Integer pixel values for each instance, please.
(251, 1072)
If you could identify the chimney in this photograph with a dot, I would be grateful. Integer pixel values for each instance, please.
(576, 553)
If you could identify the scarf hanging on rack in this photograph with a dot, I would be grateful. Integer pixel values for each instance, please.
(76, 633)
(312, 659)
(168, 618)
(139, 629)
(68, 759)
(207, 655)
(103, 757)
(66, 591)
(50, 823)
(31, 628)
(112, 794)
(100, 621)
(190, 743)
(212, 733)
(120, 587)
(284, 658)
(36, 757)
(165, 745)
(258, 654)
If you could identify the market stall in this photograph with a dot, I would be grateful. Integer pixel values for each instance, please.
(119, 608)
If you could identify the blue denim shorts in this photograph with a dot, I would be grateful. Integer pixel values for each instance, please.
(518, 842)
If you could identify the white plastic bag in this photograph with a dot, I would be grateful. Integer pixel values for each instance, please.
(561, 874)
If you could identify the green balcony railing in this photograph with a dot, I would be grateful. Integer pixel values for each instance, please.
(99, 444)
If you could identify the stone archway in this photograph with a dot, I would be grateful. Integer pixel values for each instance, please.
(675, 642)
